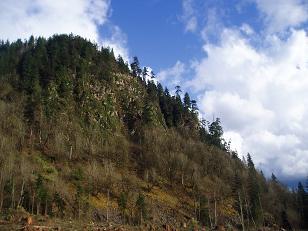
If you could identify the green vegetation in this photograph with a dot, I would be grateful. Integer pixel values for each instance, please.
(84, 136)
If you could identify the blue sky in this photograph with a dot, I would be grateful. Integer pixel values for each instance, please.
(245, 61)
(154, 31)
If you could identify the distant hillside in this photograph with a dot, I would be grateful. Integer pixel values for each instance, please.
(85, 136)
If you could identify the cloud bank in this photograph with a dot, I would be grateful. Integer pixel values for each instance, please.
(261, 96)
(256, 82)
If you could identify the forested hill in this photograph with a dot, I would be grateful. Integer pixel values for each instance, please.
(83, 136)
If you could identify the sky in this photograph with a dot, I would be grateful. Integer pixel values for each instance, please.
(244, 61)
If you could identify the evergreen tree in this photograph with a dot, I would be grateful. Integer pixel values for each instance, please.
(153, 76)
(253, 190)
(144, 73)
(160, 90)
(187, 103)
(178, 108)
(135, 66)
(123, 67)
(149, 113)
(152, 91)
(274, 178)
(204, 211)
(178, 90)
(301, 194)
(166, 107)
(32, 88)
(177, 112)
(302, 204)
(215, 132)
(122, 203)
(141, 207)
(194, 107)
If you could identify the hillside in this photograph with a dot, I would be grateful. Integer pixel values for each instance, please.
(83, 138)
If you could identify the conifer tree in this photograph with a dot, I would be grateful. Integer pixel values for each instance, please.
(135, 66)
(215, 132)
(187, 103)
(153, 76)
(141, 207)
(302, 204)
(123, 67)
(253, 190)
(178, 108)
(144, 73)
(122, 203)
(194, 107)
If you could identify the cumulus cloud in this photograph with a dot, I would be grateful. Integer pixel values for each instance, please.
(20, 19)
(282, 14)
(256, 81)
(261, 96)
(173, 75)
(23, 18)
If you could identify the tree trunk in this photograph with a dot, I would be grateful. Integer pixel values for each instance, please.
(247, 211)
(107, 212)
(29, 204)
(242, 216)
(261, 210)
(123, 217)
(20, 201)
(199, 210)
(71, 151)
(46, 207)
(31, 141)
(215, 204)
(1, 190)
(40, 135)
(1, 199)
(13, 195)
(32, 209)
(38, 205)
(79, 214)
(210, 218)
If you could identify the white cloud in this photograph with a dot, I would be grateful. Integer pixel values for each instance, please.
(213, 26)
(256, 82)
(260, 95)
(148, 77)
(118, 42)
(172, 76)
(281, 14)
(23, 18)
(188, 17)
(247, 29)
(237, 140)
(98, 10)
